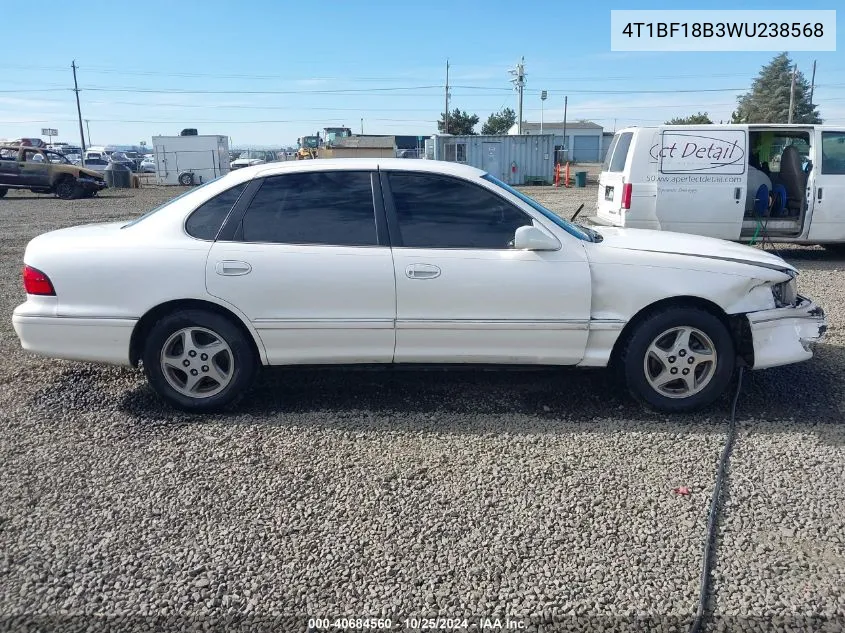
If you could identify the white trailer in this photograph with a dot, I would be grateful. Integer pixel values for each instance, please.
(190, 160)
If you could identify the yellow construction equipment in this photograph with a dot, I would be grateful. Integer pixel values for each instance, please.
(307, 147)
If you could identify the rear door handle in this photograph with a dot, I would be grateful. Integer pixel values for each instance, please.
(737, 193)
(232, 268)
(819, 194)
(422, 271)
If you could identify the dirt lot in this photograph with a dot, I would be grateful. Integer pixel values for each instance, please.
(331, 493)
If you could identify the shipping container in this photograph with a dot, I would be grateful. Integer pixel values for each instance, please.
(516, 159)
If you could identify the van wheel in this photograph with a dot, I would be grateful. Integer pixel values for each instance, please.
(678, 359)
(198, 361)
(186, 179)
(67, 189)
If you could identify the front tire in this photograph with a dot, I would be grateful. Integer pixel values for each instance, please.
(678, 359)
(68, 189)
(198, 361)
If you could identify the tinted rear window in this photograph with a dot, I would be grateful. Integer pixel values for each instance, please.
(606, 163)
(620, 151)
(205, 222)
(330, 208)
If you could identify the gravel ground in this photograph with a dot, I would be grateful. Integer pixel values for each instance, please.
(335, 493)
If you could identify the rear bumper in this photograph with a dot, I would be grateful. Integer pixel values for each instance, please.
(786, 335)
(599, 221)
(94, 340)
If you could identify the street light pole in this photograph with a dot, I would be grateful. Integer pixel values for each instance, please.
(543, 96)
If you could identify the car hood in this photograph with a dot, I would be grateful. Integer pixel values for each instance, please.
(690, 246)
(91, 173)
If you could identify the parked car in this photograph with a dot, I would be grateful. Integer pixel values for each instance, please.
(734, 182)
(45, 171)
(96, 161)
(396, 261)
(29, 142)
(148, 165)
(120, 158)
(250, 158)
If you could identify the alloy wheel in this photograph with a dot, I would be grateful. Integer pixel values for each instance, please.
(680, 362)
(197, 362)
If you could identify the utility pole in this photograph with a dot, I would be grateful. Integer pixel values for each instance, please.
(813, 82)
(565, 142)
(362, 126)
(519, 84)
(792, 94)
(88, 129)
(446, 115)
(78, 111)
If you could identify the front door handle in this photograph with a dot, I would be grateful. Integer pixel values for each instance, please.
(737, 194)
(422, 271)
(232, 268)
(819, 194)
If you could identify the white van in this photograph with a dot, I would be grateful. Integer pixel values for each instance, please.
(734, 182)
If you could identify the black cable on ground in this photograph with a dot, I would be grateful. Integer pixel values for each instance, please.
(710, 541)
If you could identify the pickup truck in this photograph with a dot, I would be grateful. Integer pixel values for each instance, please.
(45, 171)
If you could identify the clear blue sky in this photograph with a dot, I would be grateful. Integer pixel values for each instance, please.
(139, 61)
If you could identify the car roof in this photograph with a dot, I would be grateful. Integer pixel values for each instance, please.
(335, 164)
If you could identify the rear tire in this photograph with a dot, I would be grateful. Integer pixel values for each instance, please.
(198, 361)
(186, 179)
(678, 359)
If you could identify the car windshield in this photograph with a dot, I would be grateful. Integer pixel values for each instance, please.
(168, 203)
(573, 229)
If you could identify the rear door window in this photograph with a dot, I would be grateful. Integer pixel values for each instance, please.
(606, 164)
(620, 152)
(205, 222)
(324, 208)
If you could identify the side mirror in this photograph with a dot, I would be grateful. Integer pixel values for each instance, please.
(530, 238)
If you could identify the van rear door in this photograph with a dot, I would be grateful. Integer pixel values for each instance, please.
(612, 193)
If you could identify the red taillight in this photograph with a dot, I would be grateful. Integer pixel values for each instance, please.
(37, 283)
(626, 195)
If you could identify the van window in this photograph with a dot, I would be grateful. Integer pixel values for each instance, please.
(606, 164)
(620, 152)
(833, 153)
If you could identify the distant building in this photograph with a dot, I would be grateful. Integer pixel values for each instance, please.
(583, 142)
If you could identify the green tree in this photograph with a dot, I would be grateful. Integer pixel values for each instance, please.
(768, 99)
(499, 122)
(693, 119)
(459, 122)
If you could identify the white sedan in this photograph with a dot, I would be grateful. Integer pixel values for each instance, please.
(362, 261)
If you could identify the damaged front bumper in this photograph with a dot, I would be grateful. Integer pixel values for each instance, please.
(92, 184)
(786, 335)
